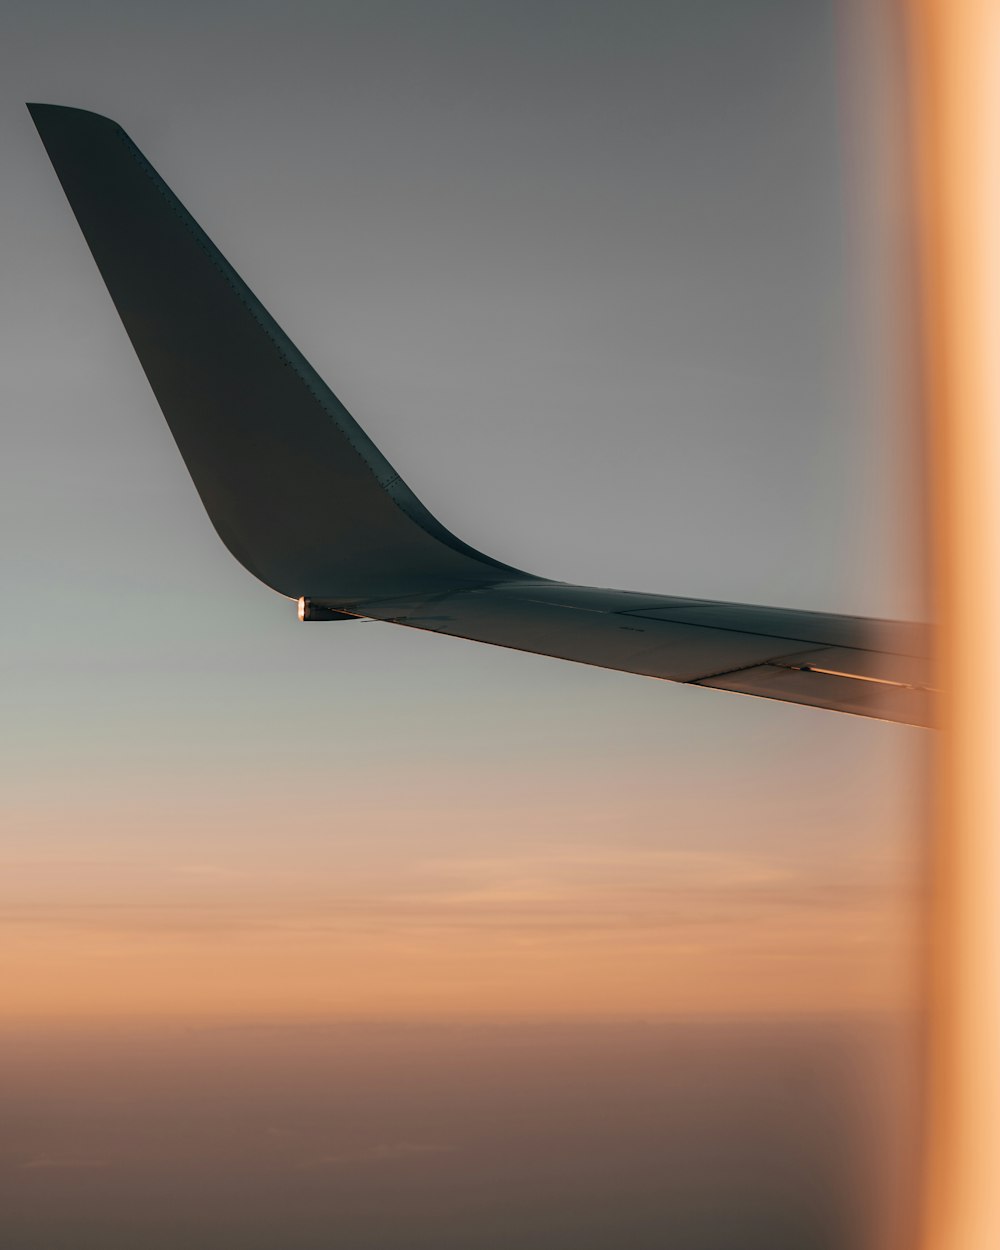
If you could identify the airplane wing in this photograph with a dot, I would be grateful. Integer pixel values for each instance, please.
(306, 502)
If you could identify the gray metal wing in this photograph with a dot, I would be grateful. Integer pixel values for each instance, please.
(850, 664)
(305, 501)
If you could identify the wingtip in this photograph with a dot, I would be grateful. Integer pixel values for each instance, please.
(65, 112)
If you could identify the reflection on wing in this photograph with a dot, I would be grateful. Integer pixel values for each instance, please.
(303, 498)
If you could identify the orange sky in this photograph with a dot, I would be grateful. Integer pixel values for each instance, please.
(578, 912)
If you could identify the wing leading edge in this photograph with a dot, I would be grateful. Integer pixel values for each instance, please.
(306, 502)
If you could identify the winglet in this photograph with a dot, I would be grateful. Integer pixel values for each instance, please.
(295, 488)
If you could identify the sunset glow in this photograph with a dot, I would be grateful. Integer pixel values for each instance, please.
(558, 922)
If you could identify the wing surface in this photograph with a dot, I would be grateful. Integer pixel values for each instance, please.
(871, 668)
(305, 501)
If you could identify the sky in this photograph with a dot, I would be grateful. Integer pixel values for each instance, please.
(621, 292)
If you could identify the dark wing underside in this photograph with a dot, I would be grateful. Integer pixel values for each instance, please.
(305, 501)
